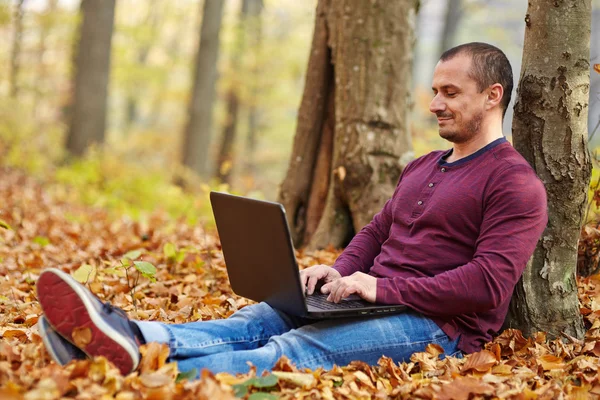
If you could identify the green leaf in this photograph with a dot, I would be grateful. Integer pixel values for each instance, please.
(240, 390)
(41, 240)
(84, 273)
(170, 251)
(262, 396)
(133, 254)
(5, 225)
(146, 269)
(265, 381)
(187, 375)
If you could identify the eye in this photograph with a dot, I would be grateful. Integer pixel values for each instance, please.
(451, 94)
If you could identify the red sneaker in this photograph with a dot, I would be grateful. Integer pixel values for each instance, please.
(98, 329)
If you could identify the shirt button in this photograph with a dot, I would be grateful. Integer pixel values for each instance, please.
(443, 169)
(430, 185)
(419, 202)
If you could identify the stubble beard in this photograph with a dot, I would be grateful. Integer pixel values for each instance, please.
(470, 130)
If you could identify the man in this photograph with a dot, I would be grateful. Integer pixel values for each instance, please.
(450, 244)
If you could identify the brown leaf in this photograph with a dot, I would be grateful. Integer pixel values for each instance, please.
(154, 356)
(82, 336)
(511, 341)
(482, 361)
(597, 68)
(15, 333)
(462, 387)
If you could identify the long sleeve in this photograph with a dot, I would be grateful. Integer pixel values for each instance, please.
(366, 244)
(515, 215)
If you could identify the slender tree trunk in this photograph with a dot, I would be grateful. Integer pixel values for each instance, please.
(47, 22)
(199, 126)
(451, 20)
(15, 56)
(225, 157)
(92, 70)
(255, 8)
(352, 138)
(550, 130)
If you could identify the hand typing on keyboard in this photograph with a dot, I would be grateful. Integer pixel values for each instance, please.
(358, 283)
(312, 276)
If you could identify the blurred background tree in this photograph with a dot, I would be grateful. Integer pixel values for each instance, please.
(150, 83)
(87, 109)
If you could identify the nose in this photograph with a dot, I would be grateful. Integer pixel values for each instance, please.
(436, 105)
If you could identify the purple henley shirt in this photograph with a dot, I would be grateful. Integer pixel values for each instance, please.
(454, 239)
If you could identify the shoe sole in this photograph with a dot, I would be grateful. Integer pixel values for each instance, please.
(49, 347)
(55, 289)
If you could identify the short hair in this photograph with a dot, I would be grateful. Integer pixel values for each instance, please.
(489, 66)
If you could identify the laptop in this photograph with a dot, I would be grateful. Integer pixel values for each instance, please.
(261, 264)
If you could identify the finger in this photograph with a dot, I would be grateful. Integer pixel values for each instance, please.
(332, 287)
(303, 278)
(350, 290)
(312, 282)
(337, 295)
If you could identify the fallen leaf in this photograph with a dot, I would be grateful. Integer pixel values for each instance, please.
(297, 378)
(462, 387)
(550, 362)
(481, 361)
(155, 379)
(82, 336)
(154, 356)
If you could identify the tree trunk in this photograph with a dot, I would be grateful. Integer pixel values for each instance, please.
(550, 131)
(16, 49)
(199, 126)
(92, 70)
(454, 13)
(225, 157)
(352, 137)
(255, 8)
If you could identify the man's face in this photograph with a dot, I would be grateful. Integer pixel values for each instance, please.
(457, 102)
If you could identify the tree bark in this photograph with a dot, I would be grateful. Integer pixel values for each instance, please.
(357, 91)
(92, 70)
(15, 56)
(199, 126)
(550, 131)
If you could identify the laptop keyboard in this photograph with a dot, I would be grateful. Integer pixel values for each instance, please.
(319, 300)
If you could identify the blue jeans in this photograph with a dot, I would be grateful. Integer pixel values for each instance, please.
(261, 335)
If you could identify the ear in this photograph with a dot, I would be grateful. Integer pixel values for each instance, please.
(494, 96)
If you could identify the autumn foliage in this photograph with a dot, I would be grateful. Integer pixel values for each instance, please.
(39, 231)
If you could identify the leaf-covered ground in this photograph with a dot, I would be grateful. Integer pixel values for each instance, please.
(37, 231)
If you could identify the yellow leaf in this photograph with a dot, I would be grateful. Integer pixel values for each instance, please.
(297, 378)
(155, 379)
(550, 362)
(85, 273)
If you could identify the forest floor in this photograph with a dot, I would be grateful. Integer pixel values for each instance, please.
(38, 231)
